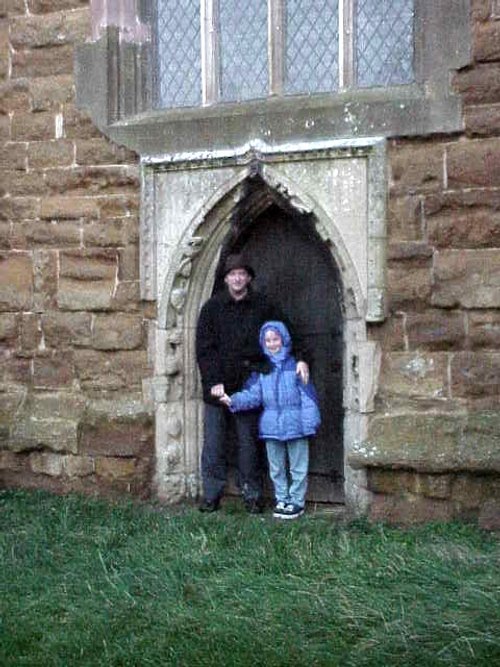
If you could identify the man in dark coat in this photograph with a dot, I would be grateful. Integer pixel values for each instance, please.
(227, 351)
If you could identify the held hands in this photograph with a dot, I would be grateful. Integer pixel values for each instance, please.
(225, 400)
(302, 371)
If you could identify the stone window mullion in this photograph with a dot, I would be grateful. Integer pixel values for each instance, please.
(346, 44)
(210, 51)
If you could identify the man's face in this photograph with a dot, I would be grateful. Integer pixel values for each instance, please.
(237, 282)
(272, 341)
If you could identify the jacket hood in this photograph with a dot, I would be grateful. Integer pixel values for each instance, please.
(282, 330)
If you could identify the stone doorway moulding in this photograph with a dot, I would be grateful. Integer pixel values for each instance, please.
(188, 203)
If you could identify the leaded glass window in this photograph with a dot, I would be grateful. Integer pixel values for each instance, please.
(212, 51)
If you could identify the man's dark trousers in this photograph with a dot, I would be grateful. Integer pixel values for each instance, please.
(214, 458)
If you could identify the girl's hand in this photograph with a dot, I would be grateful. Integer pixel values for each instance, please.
(302, 371)
(225, 400)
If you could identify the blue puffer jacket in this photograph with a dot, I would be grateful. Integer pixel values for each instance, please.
(290, 408)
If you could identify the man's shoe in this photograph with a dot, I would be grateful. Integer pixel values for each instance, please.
(292, 512)
(209, 506)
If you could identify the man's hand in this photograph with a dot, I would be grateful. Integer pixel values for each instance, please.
(217, 391)
(302, 371)
(225, 400)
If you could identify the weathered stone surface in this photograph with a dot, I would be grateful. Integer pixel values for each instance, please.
(489, 516)
(418, 252)
(33, 127)
(87, 280)
(111, 371)
(13, 155)
(69, 208)
(47, 61)
(78, 466)
(128, 263)
(30, 331)
(47, 464)
(54, 29)
(92, 180)
(484, 329)
(54, 370)
(16, 208)
(62, 330)
(47, 6)
(77, 124)
(16, 281)
(117, 332)
(117, 437)
(431, 442)
(407, 285)
(415, 167)
(486, 41)
(474, 163)
(412, 377)
(14, 370)
(482, 120)
(472, 491)
(436, 330)
(475, 374)
(409, 509)
(390, 333)
(14, 96)
(480, 85)
(45, 279)
(115, 468)
(117, 232)
(46, 154)
(40, 233)
(21, 184)
(467, 278)
(102, 151)
(9, 326)
(50, 92)
(48, 421)
(470, 228)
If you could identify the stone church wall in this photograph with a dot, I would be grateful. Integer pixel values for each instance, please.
(74, 331)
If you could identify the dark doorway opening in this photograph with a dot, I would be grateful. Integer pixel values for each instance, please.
(295, 269)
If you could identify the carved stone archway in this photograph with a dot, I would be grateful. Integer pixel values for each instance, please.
(186, 281)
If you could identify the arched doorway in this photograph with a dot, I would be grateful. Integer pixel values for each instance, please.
(295, 269)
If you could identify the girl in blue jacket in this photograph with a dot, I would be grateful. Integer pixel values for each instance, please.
(290, 415)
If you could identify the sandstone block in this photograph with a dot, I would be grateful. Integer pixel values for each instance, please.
(47, 154)
(408, 285)
(53, 371)
(480, 10)
(46, 464)
(33, 127)
(16, 281)
(128, 263)
(480, 85)
(12, 461)
(87, 280)
(30, 332)
(127, 297)
(40, 233)
(119, 206)
(413, 378)
(47, 6)
(22, 184)
(4, 50)
(482, 120)
(436, 330)
(54, 29)
(13, 156)
(117, 332)
(110, 233)
(405, 218)
(434, 486)
(4, 129)
(489, 516)
(111, 371)
(484, 329)
(409, 509)
(14, 96)
(486, 41)
(390, 333)
(50, 92)
(474, 163)
(472, 491)
(467, 278)
(115, 468)
(69, 208)
(78, 125)
(45, 279)
(17, 208)
(416, 167)
(391, 482)
(102, 151)
(47, 61)
(78, 466)
(62, 330)
(470, 228)
(93, 180)
(9, 325)
(117, 437)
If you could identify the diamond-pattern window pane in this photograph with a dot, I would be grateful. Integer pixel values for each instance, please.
(384, 42)
(312, 46)
(243, 49)
(179, 53)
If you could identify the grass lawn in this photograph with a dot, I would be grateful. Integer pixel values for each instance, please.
(88, 582)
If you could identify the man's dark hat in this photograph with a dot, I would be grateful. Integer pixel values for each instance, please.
(238, 262)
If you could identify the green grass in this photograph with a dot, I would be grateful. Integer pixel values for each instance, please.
(86, 582)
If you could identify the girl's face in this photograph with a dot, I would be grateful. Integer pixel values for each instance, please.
(272, 341)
